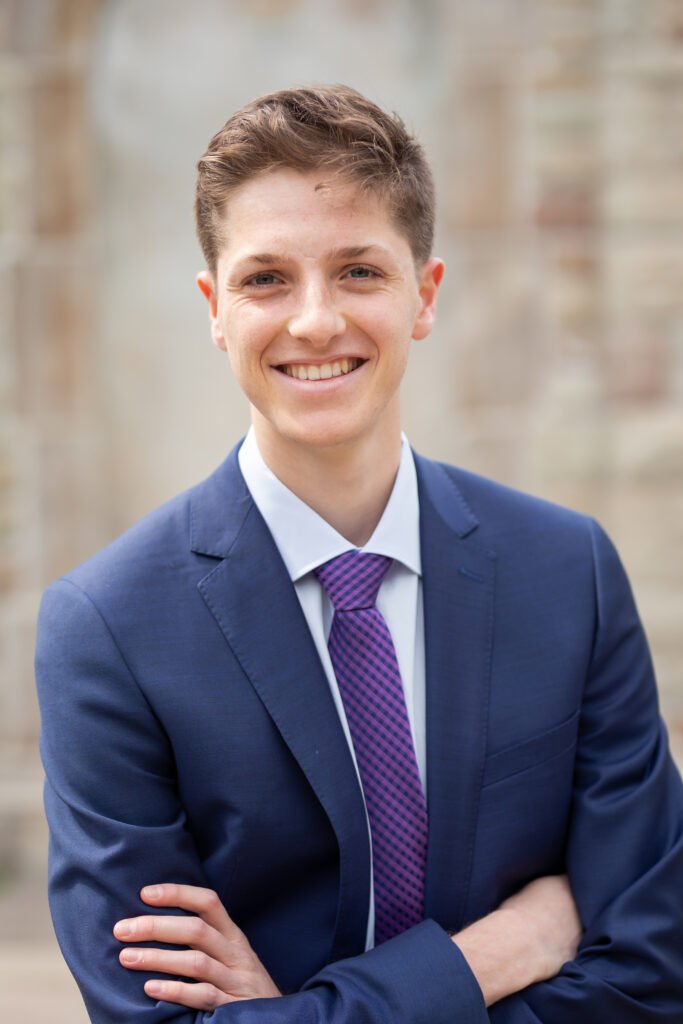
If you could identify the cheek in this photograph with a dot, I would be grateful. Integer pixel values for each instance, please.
(249, 331)
(396, 340)
(235, 352)
(241, 342)
(387, 325)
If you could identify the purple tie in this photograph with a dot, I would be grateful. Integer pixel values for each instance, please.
(367, 672)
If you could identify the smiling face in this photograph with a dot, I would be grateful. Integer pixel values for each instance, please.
(316, 300)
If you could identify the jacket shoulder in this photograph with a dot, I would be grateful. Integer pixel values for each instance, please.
(499, 511)
(155, 540)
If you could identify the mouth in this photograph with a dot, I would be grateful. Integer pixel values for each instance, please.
(321, 371)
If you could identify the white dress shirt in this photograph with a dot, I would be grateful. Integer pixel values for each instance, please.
(305, 540)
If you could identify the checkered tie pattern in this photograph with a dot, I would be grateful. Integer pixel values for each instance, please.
(364, 661)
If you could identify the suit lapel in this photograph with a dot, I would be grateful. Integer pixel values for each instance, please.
(458, 588)
(253, 601)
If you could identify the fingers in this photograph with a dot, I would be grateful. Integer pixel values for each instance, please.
(220, 956)
(189, 963)
(197, 900)
(177, 931)
(201, 996)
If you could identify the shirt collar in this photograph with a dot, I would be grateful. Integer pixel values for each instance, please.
(306, 540)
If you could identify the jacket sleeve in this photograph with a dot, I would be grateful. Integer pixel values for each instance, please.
(624, 852)
(116, 822)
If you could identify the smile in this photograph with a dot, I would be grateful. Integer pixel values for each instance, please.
(322, 371)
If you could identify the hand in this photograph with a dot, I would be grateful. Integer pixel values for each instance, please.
(220, 958)
(526, 940)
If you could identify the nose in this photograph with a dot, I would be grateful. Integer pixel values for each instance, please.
(317, 319)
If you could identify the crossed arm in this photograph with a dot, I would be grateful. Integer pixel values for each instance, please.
(527, 939)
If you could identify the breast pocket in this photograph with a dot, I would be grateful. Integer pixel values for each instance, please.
(532, 752)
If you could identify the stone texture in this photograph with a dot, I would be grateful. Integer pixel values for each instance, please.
(498, 351)
(15, 199)
(479, 160)
(632, 22)
(54, 358)
(61, 172)
(563, 114)
(47, 28)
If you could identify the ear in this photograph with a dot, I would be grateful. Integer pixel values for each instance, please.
(430, 278)
(207, 287)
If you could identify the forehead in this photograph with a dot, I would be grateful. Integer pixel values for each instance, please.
(297, 209)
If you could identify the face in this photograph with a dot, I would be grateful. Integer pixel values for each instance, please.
(316, 300)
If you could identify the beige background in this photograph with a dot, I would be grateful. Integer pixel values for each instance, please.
(557, 365)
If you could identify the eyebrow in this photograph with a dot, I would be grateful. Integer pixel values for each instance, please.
(354, 252)
(349, 252)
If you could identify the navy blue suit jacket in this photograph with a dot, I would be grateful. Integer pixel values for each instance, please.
(189, 735)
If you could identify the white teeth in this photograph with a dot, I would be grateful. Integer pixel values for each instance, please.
(323, 371)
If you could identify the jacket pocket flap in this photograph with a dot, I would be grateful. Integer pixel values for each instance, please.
(531, 752)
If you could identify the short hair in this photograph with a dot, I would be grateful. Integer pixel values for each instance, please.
(323, 127)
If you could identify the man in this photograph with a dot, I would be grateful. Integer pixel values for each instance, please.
(343, 734)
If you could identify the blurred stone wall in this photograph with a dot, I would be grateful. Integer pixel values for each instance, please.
(554, 127)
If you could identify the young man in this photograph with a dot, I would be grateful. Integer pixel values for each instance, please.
(343, 734)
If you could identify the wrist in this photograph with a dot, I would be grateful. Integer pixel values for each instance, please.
(500, 952)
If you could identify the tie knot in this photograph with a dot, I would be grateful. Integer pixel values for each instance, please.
(352, 580)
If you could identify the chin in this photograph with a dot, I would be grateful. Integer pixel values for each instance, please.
(325, 436)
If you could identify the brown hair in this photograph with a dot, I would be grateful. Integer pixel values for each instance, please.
(330, 127)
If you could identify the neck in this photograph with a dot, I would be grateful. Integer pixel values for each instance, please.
(347, 485)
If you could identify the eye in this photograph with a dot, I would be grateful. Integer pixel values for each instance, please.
(262, 280)
(361, 273)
